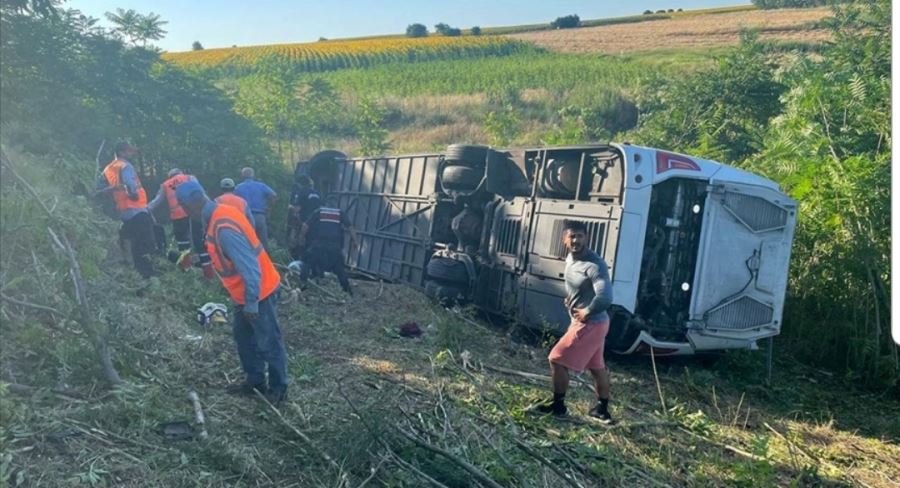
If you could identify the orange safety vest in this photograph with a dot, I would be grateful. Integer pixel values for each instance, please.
(228, 217)
(233, 200)
(176, 212)
(124, 202)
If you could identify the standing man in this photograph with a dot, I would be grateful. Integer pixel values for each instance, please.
(252, 282)
(304, 200)
(188, 234)
(323, 234)
(229, 198)
(120, 180)
(588, 296)
(259, 196)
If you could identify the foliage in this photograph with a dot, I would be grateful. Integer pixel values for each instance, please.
(475, 30)
(196, 46)
(446, 30)
(569, 130)
(66, 85)
(333, 55)
(831, 149)
(566, 22)
(719, 113)
(821, 128)
(139, 29)
(502, 126)
(369, 127)
(555, 72)
(416, 30)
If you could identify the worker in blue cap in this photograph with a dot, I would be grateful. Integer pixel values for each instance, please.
(250, 277)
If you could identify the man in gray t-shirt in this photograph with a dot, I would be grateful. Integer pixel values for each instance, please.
(588, 295)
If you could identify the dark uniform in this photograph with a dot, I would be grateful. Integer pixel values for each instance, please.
(304, 201)
(325, 243)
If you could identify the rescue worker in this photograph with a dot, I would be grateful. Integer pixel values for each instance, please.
(589, 294)
(229, 198)
(260, 197)
(121, 181)
(188, 234)
(252, 282)
(323, 233)
(304, 200)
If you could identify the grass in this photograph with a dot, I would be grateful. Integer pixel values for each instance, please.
(358, 386)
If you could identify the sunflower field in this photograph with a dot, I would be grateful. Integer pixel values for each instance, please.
(355, 53)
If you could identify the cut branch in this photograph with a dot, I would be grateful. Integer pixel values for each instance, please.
(477, 473)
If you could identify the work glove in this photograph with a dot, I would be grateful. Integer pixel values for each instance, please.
(185, 260)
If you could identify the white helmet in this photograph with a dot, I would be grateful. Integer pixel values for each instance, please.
(296, 266)
(212, 313)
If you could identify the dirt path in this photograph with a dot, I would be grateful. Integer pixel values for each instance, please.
(685, 32)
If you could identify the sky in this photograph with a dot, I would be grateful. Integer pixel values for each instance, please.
(225, 23)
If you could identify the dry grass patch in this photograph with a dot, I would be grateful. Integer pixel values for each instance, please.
(686, 32)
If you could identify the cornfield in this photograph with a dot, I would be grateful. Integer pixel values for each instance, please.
(359, 53)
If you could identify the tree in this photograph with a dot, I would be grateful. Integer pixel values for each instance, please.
(369, 123)
(137, 28)
(441, 28)
(476, 31)
(567, 22)
(196, 46)
(416, 30)
(648, 12)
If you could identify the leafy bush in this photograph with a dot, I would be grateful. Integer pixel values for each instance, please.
(369, 127)
(720, 113)
(831, 149)
(476, 31)
(566, 22)
(416, 30)
(648, 12)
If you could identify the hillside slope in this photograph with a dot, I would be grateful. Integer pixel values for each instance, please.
(799, 26)
(368, 407)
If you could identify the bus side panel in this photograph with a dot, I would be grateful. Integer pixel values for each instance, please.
(391, 203)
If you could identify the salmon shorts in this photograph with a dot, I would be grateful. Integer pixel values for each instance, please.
(581, 347)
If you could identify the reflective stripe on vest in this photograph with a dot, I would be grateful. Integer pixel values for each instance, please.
(175, 210)
(233, 200)
(112, 173)
(330, 215)
(230, 218)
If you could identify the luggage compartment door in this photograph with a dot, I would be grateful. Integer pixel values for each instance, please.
(545, 271)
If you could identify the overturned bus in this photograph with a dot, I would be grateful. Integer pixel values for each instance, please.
(698, 251)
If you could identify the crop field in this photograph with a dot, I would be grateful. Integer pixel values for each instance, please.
(334, 55)
(687, 31)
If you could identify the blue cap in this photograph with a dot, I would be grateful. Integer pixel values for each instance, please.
(189, 192)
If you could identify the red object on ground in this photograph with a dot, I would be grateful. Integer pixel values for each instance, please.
(410, 329)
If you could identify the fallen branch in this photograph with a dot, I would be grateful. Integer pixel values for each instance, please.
(85, 316)
(727, 447)
(810, 455)
(477, 473)
(374, 471)
(662, 399)
(198, 414)
(324, 455)
(545, 462)
(637, 472)
(530, 376)
(34, 306)
(403, 464)
(20, 389)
